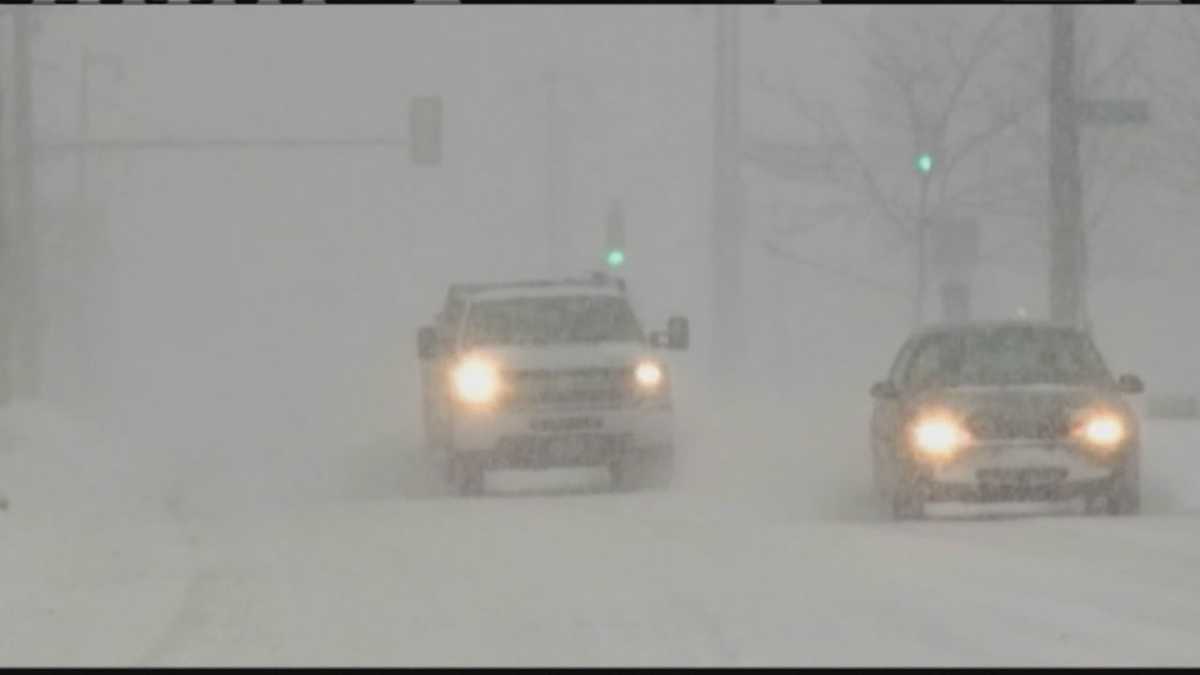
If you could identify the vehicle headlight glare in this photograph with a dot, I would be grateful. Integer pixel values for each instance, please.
(649, 375)
(476, 381)
(939, 436)
(1104, 430)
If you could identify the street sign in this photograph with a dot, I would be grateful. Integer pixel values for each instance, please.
(791, 161)
(1113, 111)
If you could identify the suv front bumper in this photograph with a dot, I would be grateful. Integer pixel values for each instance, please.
(562, 438)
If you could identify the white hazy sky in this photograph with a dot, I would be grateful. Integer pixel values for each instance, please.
(269, 298)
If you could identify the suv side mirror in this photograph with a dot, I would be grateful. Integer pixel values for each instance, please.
(678, 333)
(884, 389)
(1130, 384)
(426, 343)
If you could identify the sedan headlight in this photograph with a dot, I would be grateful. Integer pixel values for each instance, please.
(1102, 430)
(476, 381)
(939, 436)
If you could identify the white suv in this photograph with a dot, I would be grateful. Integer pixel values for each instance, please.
(546, 374)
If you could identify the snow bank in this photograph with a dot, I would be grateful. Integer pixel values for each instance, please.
(93, 560)
(52, 463)
(88, 589)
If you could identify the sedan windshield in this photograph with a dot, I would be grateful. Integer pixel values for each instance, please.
(551, 320)
(1007, 355)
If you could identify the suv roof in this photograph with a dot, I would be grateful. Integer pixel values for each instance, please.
(460, 291)
(598, 279)
(458, 294)
(555, 290)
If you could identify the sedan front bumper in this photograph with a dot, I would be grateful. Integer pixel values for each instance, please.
(1022, 471)
(979, 492)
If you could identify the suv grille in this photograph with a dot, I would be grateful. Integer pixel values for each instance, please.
(588, 388)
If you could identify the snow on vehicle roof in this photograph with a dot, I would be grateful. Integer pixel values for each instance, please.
(549, 291)
(596, 284)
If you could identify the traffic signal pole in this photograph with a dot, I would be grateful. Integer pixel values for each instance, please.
(424, 144)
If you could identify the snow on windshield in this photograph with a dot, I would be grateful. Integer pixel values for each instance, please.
(551, 320)
(1012, 355)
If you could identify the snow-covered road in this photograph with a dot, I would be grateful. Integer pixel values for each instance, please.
(653, 580)
(691, 577)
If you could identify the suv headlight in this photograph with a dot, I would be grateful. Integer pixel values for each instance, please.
(649, 383)
(648, 375)
(476, 381)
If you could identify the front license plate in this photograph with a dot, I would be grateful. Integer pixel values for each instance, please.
(1033, 476)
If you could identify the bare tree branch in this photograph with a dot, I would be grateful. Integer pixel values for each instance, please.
(983, 46)
(970, 92)
(833, 132)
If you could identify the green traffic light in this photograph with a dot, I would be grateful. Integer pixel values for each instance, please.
(925, 163)
(616, 258)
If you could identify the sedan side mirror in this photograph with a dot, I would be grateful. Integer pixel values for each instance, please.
(678, 333)
(884, 389)
(1130, 384)
(426, 343)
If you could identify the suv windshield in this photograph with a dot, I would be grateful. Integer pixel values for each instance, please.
(550, 320)
(1007, 355)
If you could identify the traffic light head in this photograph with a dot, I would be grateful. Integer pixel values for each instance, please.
(924, 163)
(615, 236)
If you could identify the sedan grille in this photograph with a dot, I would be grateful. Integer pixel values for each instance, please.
(999, 425)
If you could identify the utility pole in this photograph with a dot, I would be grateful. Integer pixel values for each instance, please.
(728, 324)
(1067, 242)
